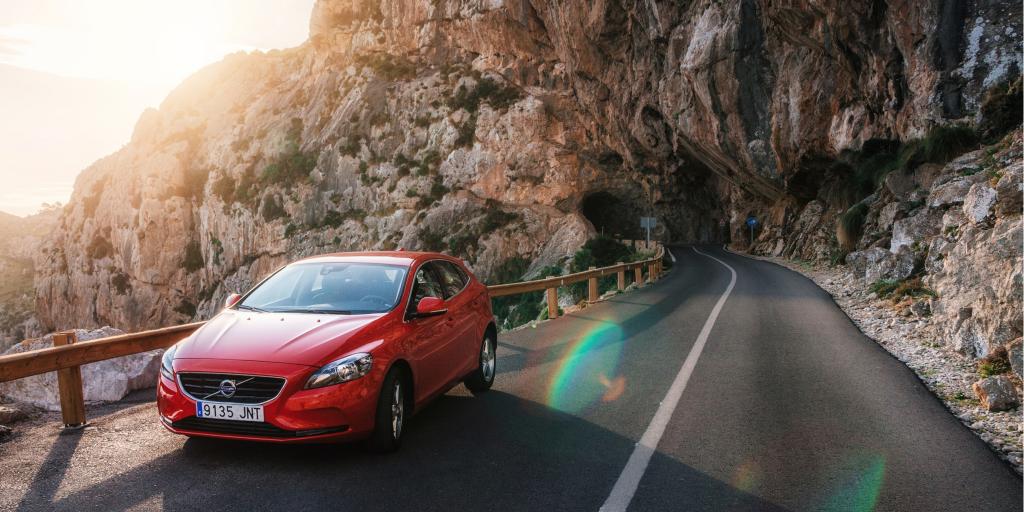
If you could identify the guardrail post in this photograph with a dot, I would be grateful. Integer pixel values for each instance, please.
(621, 277)
(69, 383)
(638, 275)
(652, 271)
(592, 288)
(552, 294)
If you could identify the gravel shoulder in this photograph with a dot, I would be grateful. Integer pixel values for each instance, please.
(913, 340)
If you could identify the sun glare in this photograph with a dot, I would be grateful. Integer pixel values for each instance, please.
(129, 41)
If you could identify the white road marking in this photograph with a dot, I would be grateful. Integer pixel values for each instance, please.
(625, 487)
(670, 255)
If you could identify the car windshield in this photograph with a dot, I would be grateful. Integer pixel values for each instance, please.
(333, 288)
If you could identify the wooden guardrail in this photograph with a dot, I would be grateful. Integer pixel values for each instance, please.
(68, 354)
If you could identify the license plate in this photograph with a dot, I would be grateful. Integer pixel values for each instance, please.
(224, 411)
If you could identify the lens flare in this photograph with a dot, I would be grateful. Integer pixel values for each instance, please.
(747, 477)
(859, 491)
(583, 374)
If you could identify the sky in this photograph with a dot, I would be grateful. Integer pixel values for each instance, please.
(76, 75)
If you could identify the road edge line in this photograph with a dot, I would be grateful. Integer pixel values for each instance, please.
(628, 481)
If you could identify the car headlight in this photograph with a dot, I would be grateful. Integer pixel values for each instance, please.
(165, 362)
(348, 368)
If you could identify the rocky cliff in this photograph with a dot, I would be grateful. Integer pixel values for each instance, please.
(20, 238)
(513, 130)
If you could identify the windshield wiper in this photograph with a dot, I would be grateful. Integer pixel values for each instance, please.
(325, 311)
(251, 308)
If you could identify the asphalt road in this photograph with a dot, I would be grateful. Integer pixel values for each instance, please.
(787, 407)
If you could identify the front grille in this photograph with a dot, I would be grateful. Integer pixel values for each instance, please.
(249, 389)
(246, 428)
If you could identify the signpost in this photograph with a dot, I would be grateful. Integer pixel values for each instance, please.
(648, 223)
(752, 223)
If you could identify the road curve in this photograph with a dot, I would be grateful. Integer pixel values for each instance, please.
(786, 406)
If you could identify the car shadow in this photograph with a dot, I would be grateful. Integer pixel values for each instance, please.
(496, 451)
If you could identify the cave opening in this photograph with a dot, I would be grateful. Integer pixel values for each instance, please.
(613, 215)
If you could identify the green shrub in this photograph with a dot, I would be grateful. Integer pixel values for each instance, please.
(943, 143)
(272, 208)
(193, 258)
(496, 218)
(290, 230)
(247, 188)
(351, 146)
(601, 251)
(218, 249)
(389, 67)
(293, 165)
(515, 310)
(996, 363)
(431, 241)
(462, 244)
(467, 133)
(438, 190)
(1000, 110)
(897, 290)
(852, 221)
(498, 95)
(333, 219)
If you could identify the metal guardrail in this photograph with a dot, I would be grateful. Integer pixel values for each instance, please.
(68, 354)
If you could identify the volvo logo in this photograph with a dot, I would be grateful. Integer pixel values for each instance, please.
(227, 388)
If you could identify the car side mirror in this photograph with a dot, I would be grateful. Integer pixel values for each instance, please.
(430, 306)
(231, 300)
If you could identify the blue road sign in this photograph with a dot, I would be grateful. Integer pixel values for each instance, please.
(752, 221)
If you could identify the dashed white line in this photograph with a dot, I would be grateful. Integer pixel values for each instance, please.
(625, 487)
(670, 255)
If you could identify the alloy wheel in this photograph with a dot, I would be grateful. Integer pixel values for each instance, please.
(487, 360)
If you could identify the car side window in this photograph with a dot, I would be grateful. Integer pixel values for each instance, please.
(425, 285)
(452, 280)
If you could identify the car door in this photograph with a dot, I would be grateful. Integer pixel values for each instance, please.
(461, 316)
(432, 345)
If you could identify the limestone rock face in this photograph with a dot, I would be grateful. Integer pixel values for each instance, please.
(102, 381)
(510, 130)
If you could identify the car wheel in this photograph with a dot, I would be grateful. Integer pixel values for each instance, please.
(483, 377)
(391, 413)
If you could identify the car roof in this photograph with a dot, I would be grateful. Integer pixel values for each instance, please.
(405, 258)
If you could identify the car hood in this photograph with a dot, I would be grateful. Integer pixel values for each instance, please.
(297, 338)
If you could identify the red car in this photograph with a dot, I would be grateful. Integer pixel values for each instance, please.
(331, 348)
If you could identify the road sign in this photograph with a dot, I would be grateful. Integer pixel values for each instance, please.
(648, 223)
(752, 223)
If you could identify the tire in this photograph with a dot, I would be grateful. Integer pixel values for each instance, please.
(483, 377)
(393, 400)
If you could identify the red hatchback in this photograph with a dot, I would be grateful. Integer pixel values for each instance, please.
(331, 348)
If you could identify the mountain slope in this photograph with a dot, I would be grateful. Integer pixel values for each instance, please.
(508, 131)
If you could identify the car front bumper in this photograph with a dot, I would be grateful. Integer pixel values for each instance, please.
(330, 414)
